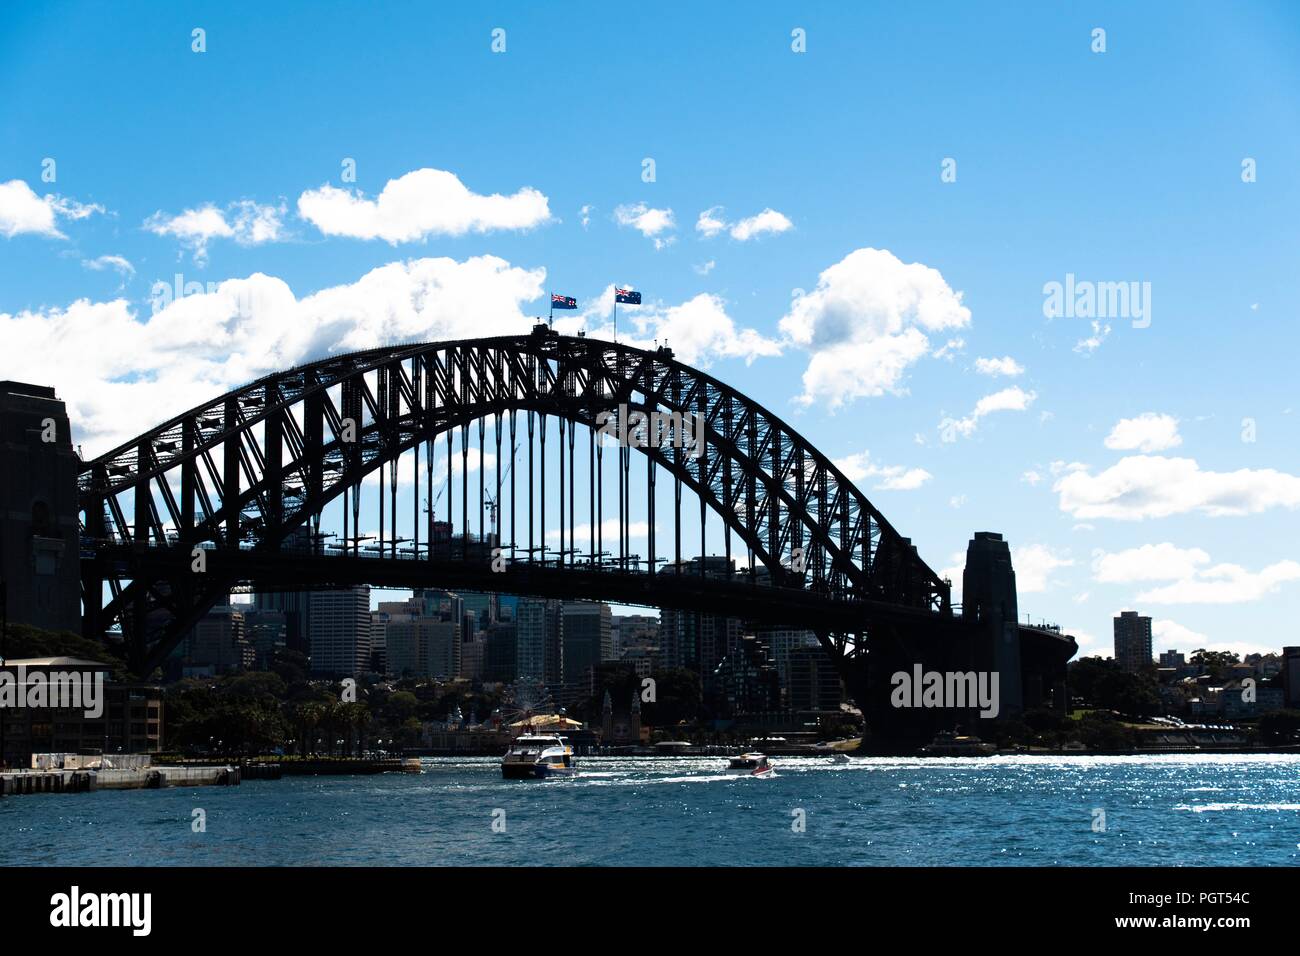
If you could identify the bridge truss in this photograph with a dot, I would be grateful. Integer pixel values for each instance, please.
(248, 477)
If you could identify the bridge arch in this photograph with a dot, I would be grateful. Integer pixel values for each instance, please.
(249, 468)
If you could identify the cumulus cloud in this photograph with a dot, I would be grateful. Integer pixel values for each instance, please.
(1170, 635)
(859, 467)
(1153, 486)
(710, 222)
(1150, 562)
(1013, 399)
(999, 366)
(1034, 565)
(651, 223)
(698, 330)
(769, 221)
(1224, 584)
(120, 264)
(1147, 433)
(22, 211)
(246, 222)
(121, 372)
(866, 323)
(420, 204)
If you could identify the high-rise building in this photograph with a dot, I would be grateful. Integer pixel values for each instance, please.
(1291, 675)
(264, 631)
(39, 543)
(294, 605)
(780, 642)
(540, 653)
(418, 643)
(814, 681)
(530, 632)
(1133, 641)
(693, 640)
(587, 638)
(745, 683)
(500, 650)
(340, 631)
(217, 643)
(633, 631)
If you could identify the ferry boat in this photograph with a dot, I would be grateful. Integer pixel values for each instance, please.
(949, 744)
(750, 765)
(538, 755)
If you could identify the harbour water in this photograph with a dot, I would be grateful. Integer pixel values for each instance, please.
(1174, 810)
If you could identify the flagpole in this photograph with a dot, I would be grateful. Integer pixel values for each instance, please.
(615, 313)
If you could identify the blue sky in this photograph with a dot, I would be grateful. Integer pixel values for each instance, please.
(1117, 166)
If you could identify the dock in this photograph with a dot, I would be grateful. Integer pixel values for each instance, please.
(14, 782)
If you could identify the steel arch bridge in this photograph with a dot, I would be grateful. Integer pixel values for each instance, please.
(232, 493)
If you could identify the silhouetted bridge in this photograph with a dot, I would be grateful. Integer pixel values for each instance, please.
(247, 480)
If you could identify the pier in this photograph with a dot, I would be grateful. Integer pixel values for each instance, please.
(148, 778)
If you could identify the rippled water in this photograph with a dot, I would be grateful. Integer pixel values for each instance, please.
(1016, 810)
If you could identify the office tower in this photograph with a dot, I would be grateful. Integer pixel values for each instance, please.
(745, 683)
(500, 662)
(693, 640)
(217, 642)
(40, 554)
(530, 632)
(264, 631)
(633, 631)
(1132, 641)
(340, 631)
(1291, 675)
(780, 642)
(294, 605)
(587, 639)
(814, 681)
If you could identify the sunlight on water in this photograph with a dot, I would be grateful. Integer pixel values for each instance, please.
(1004, 810)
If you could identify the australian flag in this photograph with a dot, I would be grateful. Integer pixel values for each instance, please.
(563, 301)
(627, 296)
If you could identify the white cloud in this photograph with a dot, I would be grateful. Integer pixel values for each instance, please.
(1150, 562)
(418, 205)
(651, 223)
(120, 264)
(892, 477)
(1013, 399)
(246, 222)
(1147, 433)
(704, 268)
(1224, 584)
(1093, 342)
(698, 330)
(999, 366)
(866, 323)
(1152, 486)
(1034, 565)
(951, 349)
(1170, 635)
(1031, 478)
(769, 221)
(709, 223)
(585, 215)
(121, 372)
(22, 211)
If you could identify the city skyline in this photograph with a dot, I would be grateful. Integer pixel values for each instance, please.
(1125, 473)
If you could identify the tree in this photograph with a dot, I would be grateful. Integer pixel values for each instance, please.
(1214, 663)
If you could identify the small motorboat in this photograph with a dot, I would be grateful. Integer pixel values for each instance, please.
(750, 765)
